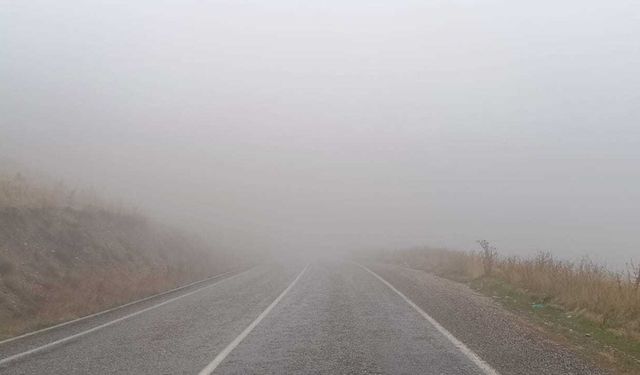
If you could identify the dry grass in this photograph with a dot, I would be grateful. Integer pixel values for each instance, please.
(67, 299)
(608, 298)
(65, 255)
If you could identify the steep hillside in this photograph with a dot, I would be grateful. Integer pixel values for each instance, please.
(58, 263)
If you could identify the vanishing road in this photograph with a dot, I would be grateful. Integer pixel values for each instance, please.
(326, 317)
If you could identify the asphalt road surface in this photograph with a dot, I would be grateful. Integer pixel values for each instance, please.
(326, 317)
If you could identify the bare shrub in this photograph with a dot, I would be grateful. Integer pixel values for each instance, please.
(633, 274)
(488, 254)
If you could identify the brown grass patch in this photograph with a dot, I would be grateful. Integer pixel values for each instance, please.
(612, 299)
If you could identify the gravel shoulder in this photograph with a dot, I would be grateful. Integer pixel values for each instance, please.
(507, 342)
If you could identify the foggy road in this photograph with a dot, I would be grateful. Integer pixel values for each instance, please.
(325, 317)
(313, 165)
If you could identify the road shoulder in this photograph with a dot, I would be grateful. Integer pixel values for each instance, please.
(509, 343)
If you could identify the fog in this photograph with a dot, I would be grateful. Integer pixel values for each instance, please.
(321, 127)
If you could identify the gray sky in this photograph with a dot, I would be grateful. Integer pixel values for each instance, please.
(317, 126)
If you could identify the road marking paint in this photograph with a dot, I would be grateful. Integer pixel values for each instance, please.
(484, 366)
(225, 352)
(79, 334)
(112, 309)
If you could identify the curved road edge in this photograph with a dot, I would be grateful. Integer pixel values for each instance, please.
(18, 347)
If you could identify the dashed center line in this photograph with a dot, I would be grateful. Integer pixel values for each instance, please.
(225, 352)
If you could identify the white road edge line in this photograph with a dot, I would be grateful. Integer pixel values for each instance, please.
(6, 341)
(484, 366)
(15, 357)
(225, 352)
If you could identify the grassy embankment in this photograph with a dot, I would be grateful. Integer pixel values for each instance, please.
(582, 303)
(64, 255)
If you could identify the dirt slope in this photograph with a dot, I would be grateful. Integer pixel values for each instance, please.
(61, 263)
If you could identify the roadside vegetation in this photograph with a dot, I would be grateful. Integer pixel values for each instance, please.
(65, 254)
(596, 309)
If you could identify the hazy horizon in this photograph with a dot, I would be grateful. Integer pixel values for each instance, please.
(287, 126)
